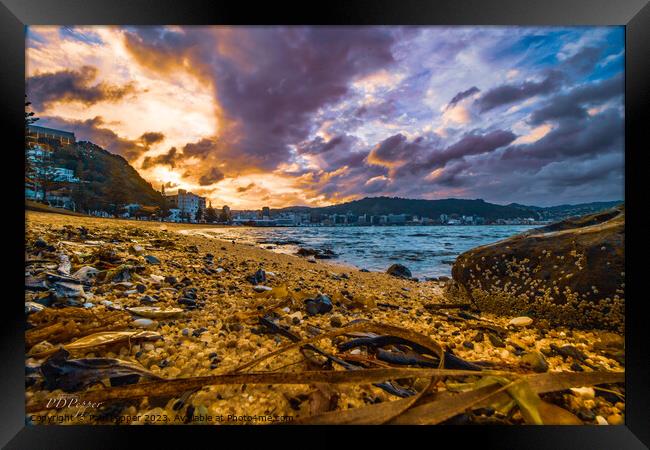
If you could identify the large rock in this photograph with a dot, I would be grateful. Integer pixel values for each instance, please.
(399, 270)
(570, 273)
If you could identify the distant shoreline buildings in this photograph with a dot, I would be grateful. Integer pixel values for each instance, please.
(264, 218)
(185, 206)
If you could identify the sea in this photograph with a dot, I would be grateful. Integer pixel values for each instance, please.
(428, 251)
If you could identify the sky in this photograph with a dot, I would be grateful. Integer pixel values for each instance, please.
(281, 116)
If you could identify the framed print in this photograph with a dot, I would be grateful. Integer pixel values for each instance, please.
(378, 214)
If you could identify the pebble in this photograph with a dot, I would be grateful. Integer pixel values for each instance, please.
(152, 259)
(336, 321)
(468, 344)
(536, 361)
(260, 288)
(586, 414)
(496, 340)
(522, 321)
(615, 419)
(147, 324)
(584, 392)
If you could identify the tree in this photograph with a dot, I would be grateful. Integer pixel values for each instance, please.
(211, 215)
(29, 119)
(199, 214)
(223, 217)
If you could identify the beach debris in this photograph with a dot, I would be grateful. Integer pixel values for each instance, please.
(66, 290)
(321, 304)
(64, 264)
(400, 271)
(86, 274)
(32, 307)
(71, 375)
(116, 275)
(100, 339)
(522, 321)
(155, 312)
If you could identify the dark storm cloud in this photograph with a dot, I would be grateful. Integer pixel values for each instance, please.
(586, 137)
(584, 60)
(511, 93)
(98, 132)
(462, 95)
(70, 86)
(170, 158)
(152, 137)
(319, 145)
(573, 104)
(200, 149)
(296, 72)
(212, 176)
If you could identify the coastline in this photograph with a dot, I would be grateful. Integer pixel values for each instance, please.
(231, 308)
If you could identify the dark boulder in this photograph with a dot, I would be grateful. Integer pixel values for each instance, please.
(399, 270)
(570, 273)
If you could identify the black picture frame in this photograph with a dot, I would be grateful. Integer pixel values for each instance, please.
(633, 14)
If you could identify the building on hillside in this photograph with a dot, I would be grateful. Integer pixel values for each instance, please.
(187, 203)
(35, 134)
(266, 212)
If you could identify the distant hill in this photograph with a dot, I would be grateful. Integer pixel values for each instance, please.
(434, 208)
(108, 179)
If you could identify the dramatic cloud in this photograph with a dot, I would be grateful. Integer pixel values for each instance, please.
(70, 86)
(166, 159)
(462, 95)
(510, 93)
(213, 176)
(318, 115)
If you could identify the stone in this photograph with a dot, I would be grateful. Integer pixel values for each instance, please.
(557, 272)
(600, 420)
(584, 392)
(468, 344)
(399, 270)
(615, 419)
(262, 288)
(496, 340)
(535, 361)
(152, 259)
(136, 250)
(336, 321)
(258, 277)
(586, 414)
(522, 321)
(147, 324)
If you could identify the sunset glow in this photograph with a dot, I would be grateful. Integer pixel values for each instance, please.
(279, 116)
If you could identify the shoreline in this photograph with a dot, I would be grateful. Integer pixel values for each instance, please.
(229, 313)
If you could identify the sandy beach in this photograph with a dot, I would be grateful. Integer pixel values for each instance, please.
(218, 328)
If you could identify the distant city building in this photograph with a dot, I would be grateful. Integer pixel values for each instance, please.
(266, 212)
(396, 219)
(36, 133)
(187, 203)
